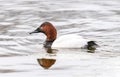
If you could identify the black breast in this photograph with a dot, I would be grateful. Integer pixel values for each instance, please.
(48, 44)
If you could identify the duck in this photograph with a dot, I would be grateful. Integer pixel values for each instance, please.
(64, 41)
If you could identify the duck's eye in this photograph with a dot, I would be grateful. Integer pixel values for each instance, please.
(41, 28)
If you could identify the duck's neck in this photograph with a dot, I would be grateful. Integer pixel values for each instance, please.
(48, 44)
(49, 40)
(51, 35)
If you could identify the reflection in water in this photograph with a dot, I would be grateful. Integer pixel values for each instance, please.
(91, 51)
(46, 63)
(49, 59)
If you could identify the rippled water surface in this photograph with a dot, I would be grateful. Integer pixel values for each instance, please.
(98, 20)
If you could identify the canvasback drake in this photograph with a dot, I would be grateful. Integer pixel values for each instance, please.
(65, 41)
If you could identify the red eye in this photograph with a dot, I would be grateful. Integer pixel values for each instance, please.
(41, 28)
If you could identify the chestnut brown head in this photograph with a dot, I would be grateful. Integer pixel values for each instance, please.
(48, 29)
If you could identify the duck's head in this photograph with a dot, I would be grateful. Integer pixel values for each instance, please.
(48, 29)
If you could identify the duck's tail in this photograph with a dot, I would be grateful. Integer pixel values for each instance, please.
(91, 45)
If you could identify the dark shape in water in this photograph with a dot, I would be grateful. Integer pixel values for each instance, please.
(46, 63)
(92, 45)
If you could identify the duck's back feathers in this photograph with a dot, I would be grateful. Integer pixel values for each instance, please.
(69, 41)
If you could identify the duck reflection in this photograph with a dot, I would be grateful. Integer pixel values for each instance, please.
(49, 59)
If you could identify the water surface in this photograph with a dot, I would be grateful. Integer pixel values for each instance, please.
(95, 19)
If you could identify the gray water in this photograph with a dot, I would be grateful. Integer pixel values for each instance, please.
(98, 20)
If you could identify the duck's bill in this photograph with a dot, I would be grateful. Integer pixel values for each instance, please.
(35, 31)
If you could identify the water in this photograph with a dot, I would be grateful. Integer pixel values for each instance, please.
(94, 19)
